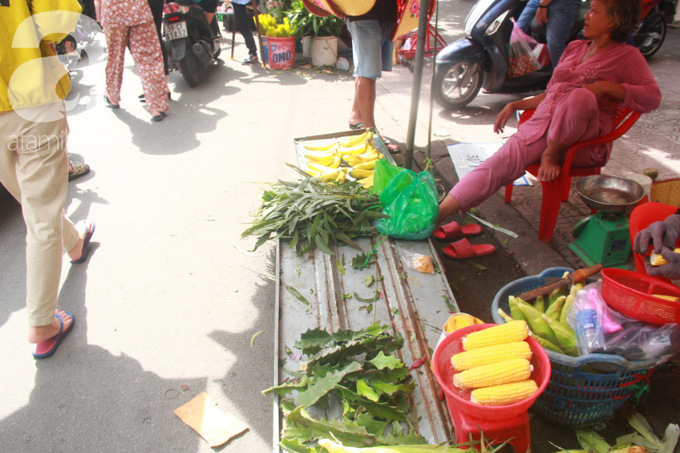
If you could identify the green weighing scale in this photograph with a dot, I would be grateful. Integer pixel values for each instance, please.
(603, 238)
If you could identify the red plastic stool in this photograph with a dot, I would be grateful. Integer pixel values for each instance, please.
(514, 430)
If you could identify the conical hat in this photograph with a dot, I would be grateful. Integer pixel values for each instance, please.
(340, 8)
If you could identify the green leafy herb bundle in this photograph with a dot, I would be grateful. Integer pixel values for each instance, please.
(354, 370)
(313, 213)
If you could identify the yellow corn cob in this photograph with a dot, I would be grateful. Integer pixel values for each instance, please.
(491, 354)
(500, 395)
(512, 370)
(655, 259)
(663, 296)
(504, 333)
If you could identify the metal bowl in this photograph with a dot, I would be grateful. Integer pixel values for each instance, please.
(609, 193)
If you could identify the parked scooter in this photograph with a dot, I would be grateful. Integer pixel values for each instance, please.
(191, 42)
(651, 31)
(78, 40)
(481, 58)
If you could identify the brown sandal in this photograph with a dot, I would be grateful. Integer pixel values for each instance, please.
(76, 170)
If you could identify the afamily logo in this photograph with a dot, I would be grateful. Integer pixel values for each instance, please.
(35, 82)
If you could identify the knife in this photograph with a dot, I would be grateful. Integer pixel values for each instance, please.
(574, 277)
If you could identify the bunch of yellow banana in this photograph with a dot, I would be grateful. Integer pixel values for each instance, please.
(324, 158)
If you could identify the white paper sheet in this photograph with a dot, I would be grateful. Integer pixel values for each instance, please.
(467, 156)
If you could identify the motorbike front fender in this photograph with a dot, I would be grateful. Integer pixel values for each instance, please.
(179, 47)
(463, 50)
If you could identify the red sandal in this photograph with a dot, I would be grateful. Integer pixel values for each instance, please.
(454, 231)
(463, 249)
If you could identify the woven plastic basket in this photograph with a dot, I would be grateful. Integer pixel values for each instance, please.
(632, 294)
(582, 390)
(458, 399)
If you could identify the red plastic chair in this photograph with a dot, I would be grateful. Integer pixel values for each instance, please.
(557, 190)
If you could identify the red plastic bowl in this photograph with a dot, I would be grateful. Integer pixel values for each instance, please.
(631, 294)
(460, 399)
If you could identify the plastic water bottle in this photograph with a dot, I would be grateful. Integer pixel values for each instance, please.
(342, 64)
(588, 327)
(589, 322)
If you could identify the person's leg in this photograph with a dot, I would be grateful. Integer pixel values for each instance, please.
(576, 119)
(562, 15)
(148, 59)
(528, 14)
(367, 55)
(243, 26)
(34, 169)
(157, 13)
(502, 168)
(116, 41)
(643, 216)
(364, 102)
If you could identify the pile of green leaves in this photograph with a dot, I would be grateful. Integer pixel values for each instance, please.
(372, 390)
(313, 213)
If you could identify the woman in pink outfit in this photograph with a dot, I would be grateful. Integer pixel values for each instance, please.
(131, 21)
(592, 80)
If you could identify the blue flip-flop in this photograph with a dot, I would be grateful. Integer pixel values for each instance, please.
(86, 243)
(50, 346)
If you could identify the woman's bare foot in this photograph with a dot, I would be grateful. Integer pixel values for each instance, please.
(550, 161)
(38, 334)
(77, 252)
(549, 169)
(448, 206)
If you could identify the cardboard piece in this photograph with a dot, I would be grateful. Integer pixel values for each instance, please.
(467, 156)
(204, 417)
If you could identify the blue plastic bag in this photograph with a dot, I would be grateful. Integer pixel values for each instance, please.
(411, 201)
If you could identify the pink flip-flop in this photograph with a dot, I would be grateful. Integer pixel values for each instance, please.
(463, 249)
(454, 231)
(48, 347)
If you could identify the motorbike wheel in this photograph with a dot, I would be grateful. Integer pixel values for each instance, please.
(190, 68)
(456, 84)
(658, 35)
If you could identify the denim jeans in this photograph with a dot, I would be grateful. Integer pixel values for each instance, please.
(562, 15)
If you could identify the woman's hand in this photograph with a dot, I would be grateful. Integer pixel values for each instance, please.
(503, 117)
(605, 88)
(670, 270)
(542, 16)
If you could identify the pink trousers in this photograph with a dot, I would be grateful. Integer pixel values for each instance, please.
(146, 52)
(577, 121)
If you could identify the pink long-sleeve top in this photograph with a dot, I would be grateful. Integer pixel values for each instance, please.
(619, 63)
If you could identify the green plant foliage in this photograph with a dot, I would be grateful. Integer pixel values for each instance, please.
(354, 369)
(307, 24)
(312, 213)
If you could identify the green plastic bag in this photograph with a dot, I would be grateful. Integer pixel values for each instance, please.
(411, 201)
(383, 174)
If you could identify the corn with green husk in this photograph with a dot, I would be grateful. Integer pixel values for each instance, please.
(557, 293)
(539, 304)
(549, 345)
(537, 324)
(566, 338)
(555, 308)
(575, 288)
(505, 316)
(515, 312)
